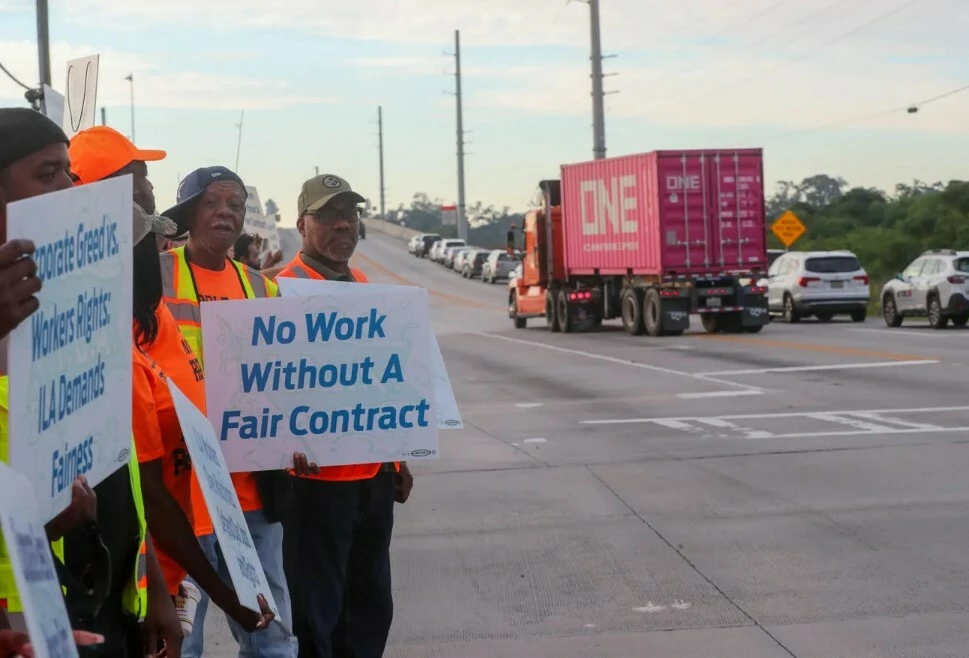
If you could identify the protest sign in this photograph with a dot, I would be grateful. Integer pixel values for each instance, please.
(81, 96)
(70, 362)
(53, 105)
(346, 378)
(448, 414)
(245, 569)
(26, 545)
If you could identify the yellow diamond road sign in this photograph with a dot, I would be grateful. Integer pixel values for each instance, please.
(788, 228)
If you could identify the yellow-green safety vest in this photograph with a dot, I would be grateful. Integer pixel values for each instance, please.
(181, 297)
(135, 597)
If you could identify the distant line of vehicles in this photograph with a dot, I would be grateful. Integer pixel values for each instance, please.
(654, 238)
(490, 265)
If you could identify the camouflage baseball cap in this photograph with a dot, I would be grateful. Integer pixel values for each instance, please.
(320, 190)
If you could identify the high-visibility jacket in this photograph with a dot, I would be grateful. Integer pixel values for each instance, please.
(297, 269)
(135, 596)
(181, 296)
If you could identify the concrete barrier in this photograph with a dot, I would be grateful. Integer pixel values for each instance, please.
(390, 229)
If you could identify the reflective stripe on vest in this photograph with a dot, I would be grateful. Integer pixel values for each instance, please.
(180, 295)
(135, 597)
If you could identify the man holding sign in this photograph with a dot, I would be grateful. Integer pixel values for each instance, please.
(338, 536)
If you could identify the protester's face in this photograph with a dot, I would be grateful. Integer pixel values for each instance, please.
(219, 216)
(47, 170)
(144, 191)
(252, 256)
(333, 231)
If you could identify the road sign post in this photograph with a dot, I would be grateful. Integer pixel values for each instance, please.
(788, 229)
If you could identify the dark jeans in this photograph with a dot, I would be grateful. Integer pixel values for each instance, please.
(336, 551)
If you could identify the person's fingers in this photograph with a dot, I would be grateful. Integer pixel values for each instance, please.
(314, 468)
(13, 250)
(87, 638)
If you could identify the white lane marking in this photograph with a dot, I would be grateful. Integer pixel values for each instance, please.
(678, 425)
(833, 366)
(613, 359)
(681, 605)
(649, 607)
(536, 440)
(811, 435)
(718, 394)
(795, 414)
(529, 405)
(898, 421)
(727, 425)
(851, 422)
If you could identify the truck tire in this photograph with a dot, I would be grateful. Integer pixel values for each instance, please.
(551, 319)
(520, 323)
(562, 311)
(632, 312)
(653, 313)
(710, 322)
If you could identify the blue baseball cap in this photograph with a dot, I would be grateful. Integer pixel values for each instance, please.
(191, 189)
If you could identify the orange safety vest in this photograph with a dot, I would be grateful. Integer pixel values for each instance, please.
(297, 269)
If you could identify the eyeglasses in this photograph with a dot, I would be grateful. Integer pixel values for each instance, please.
(333, 215)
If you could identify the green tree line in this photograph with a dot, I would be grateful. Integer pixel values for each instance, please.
(886, 231)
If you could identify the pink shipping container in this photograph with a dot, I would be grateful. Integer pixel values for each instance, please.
(673, 213)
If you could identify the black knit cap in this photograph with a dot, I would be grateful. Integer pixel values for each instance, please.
(23, 132)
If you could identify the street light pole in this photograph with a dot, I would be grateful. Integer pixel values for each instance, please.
(43, 42)
(131, 78)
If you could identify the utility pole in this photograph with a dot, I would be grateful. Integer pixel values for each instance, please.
(598, 102)
(462, 220)
(43, 42)
(317, 167)
(104, 116)
(380, 140)
(239, 143)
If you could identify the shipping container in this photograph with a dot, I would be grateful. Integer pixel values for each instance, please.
(671, 213)
(649, 239)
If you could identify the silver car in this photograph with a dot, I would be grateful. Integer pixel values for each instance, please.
(499, 266)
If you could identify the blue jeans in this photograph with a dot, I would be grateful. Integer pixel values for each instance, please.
(273, 642)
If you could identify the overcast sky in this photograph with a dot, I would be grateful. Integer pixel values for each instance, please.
(691, 73)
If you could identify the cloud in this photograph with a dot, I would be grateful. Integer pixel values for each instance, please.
(154, 86)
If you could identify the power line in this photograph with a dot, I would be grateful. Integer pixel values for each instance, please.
(807, 53)
(13, 77)
(877, 115)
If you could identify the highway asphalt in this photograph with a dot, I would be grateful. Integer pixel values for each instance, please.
(800, 492)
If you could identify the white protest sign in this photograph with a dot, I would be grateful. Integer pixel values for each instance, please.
(53, 105)
(81, 97)
(448, 413)
(229, 522)
(27, 546)
(70, 362)
(346, 378)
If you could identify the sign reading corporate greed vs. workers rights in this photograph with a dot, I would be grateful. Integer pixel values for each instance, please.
(70, 362)
(346, 378)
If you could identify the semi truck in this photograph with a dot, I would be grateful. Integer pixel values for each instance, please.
(650, 238)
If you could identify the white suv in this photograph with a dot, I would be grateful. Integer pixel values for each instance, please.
(935, 285)
(818, 283)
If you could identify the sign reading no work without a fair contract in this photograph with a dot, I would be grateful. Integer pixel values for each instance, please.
(248, 577)
(448, 413)
(346, 378)
(70, 362)
(33, 568)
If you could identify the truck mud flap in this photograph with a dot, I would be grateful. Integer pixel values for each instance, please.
(756, 316)
(583, 317)
(676, 314)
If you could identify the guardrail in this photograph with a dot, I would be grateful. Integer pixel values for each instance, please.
(389, 228)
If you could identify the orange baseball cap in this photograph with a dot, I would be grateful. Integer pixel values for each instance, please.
(98, 152)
